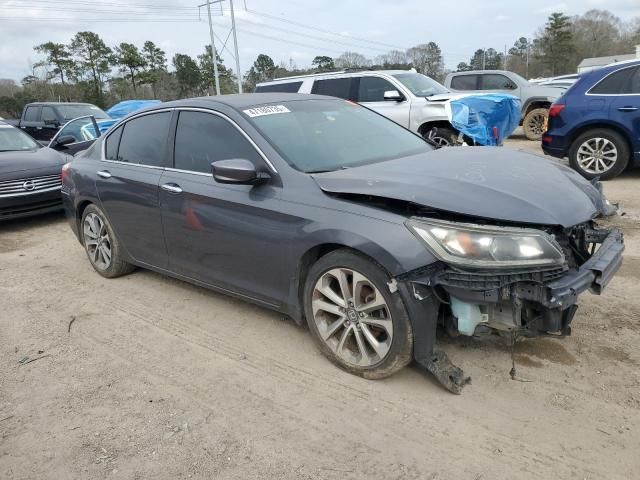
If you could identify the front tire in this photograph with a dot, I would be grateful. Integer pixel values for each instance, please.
(534, 123)
(357, 323)
(101, 244)
(442, 136)
(599, 153)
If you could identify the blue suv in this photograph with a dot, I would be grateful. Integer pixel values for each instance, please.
(596, 123)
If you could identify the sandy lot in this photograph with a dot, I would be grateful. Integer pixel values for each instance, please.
(156, 378)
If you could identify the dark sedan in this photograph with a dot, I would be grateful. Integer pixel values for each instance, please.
(29, 175)
(335, 215)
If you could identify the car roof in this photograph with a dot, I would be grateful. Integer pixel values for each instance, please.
(58, 103)
(347, 73)
(475, 72)
(241, 101)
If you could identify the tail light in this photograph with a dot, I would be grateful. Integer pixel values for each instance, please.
(65, 171)
(555, 109)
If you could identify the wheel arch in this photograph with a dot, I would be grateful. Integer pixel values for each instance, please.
(373, 252)
(428, 125)
(581, 129)
(533, 103)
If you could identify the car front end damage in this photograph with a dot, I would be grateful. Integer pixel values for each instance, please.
(508, 281)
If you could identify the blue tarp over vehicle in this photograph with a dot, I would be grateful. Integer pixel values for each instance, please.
(123, 109)
(487, 119)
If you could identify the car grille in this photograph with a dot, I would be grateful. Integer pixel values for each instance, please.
(487, 281)
(26, 186)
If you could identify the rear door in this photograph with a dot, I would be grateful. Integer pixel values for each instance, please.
(31, 122)
(625, 106)
(135, 155)
(222, 235)
(371, 90)
(343, 87)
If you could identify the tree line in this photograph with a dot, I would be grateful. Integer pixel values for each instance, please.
(87, 69)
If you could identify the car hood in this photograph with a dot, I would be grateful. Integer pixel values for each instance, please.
(547, 91)
(485, 182)
(38, 162)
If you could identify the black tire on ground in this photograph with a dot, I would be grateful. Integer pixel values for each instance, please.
(621, 146)
(118, 266)
(443, 136)
(533, 123)
(400, 351)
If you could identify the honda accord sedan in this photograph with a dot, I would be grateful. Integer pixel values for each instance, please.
(333, 214)
(29, 175)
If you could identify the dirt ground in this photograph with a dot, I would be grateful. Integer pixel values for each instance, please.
(147, 377)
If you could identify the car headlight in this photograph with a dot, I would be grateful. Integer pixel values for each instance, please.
(487, 246)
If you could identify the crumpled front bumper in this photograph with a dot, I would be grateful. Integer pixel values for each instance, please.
(548, 297)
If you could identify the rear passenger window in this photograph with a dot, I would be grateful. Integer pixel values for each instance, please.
(32, 114)
(202, 138)
(371, 89)
(335, 87)
(491, 81)
(464, 82)
(614, 83)
(634, 83)
(289, 87)
(111, 144)
(144, 139)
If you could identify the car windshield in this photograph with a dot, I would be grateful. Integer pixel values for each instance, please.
(324, 135)
(13, 140)
(420, 85)
(69, 112)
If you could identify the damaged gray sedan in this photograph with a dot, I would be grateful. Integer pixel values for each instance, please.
(332, 214)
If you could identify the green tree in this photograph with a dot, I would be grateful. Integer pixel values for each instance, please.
(322, 63)
(427, 59)
(555, 44)
(262, 69)
(58, 57)
(130, 60)
(463, 67)
(188, 74)
(225, 76)
(93, 61)
(155, 65)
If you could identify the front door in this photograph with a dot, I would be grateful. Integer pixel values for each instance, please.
(371, 94)
(625, 107)
(128, 185)
(83, 131)
(216, 233)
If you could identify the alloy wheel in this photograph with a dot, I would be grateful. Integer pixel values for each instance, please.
(597, 155)
(352, 317)
(537, 124)
(97, 241)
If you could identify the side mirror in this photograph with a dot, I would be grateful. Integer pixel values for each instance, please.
(393, 96)
(64, 140)
(237, 171)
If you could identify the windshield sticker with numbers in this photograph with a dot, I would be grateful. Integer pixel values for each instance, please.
(266, 110)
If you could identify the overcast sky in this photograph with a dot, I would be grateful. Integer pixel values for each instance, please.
(458, 26)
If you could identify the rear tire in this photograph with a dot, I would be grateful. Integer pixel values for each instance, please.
(533, 123)
(356, 322)
(101, 244)
(599, 153)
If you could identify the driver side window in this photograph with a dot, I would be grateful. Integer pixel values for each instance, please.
(203, 138)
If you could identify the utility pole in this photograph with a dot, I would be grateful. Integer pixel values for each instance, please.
(235, 44)
(214, 53)
(484, 58)
(527, 63)
(505, 57)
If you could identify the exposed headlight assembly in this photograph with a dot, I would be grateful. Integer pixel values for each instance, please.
(487, 246)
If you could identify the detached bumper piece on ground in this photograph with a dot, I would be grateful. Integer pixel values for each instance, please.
(528, 303)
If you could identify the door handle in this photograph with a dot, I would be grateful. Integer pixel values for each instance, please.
(628, 109)
(171, 188)
(104, 174)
